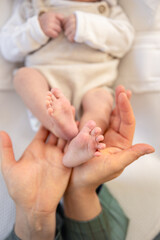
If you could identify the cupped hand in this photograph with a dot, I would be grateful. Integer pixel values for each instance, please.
(119, 152)
(38, 180)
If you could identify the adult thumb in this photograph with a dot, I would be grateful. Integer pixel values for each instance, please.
(133, 153)
(6, 152)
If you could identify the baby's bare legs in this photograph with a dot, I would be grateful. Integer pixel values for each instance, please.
(84, 146)
(97, 105)
(33, 87)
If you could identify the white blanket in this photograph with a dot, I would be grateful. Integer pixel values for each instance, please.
(137, 189)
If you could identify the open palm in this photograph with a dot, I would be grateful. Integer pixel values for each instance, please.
(38, 180)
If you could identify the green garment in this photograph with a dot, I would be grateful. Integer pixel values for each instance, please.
(110, 224)
(157, 237)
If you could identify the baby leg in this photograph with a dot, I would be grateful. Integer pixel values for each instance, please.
(32, 86)
(97, 105)
(84, 146)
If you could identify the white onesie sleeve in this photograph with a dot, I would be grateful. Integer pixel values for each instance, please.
(19, 38)
(113, 35)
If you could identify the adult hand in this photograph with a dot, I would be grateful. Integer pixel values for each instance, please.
(51, 23)
(119, 152)
(69, 25)
(36, 182)
(80, 200)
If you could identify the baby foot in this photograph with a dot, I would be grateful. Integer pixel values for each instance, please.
(61, 115)
(84, 146)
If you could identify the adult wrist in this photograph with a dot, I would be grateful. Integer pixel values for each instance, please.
(82, 204)
(34, 226)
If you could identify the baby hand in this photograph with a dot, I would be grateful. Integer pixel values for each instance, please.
(51, 23)
(69, 25)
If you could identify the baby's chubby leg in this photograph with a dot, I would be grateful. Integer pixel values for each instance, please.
(32, 86)
(97, 105)
(86, 145)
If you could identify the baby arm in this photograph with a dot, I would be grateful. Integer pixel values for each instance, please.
(113, 34)
(20, 37)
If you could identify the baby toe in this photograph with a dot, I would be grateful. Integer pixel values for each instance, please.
(96, 131)
(99, 138)
(101, 146)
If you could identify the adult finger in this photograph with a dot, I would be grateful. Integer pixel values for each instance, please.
(52, 139)
(61, 144)
(119, 89)
(129, 94)
(115, 119)
(6, 152)
(115, 116)
(42, 134)
(127, 123)
(126, 157)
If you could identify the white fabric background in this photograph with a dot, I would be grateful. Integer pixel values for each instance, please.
(138, 188)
